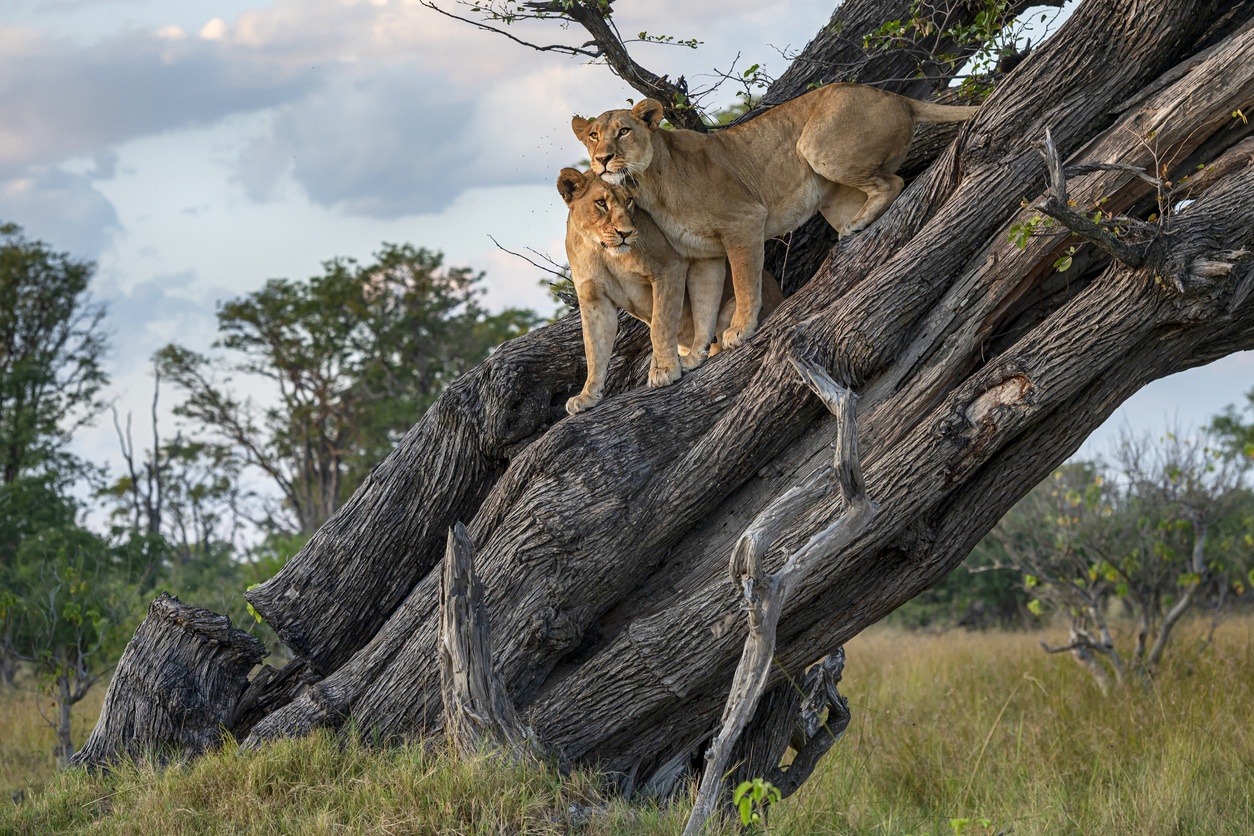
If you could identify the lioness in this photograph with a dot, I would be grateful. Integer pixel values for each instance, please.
(620, 259)
(834, 149)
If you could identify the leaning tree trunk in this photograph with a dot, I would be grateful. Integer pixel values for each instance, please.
(602, 541)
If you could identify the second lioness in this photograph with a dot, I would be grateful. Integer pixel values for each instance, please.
(619, 259)
(834, 150)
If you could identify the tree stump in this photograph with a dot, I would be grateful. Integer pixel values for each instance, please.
(176, 687)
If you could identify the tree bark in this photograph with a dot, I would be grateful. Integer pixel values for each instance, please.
(477, 712)
(175, 688)
(602, 539)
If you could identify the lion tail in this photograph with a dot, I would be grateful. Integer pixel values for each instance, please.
(928, 112)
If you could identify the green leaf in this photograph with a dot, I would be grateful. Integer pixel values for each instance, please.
(1035, 607)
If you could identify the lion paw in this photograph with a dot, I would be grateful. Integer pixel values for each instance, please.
(692, 360)
(660, 376)
(581, 403)
(736, 336)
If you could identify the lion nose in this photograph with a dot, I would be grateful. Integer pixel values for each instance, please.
(623, 235)
(604, 159)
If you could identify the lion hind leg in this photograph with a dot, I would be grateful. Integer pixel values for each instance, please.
(882, 188)
(705, 291)
(841, 205)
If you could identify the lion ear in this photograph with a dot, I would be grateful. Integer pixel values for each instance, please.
(648, 111)
(569, 182)
(580, 126)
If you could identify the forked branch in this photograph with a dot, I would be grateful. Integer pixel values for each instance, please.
(766, 594)
(606, 45)
(1057, 205)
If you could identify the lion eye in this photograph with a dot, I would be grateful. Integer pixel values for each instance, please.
(601, 204)
(592, 134)
(631, 204)
(624, 131)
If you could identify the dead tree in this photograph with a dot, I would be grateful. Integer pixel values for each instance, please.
(602, 540)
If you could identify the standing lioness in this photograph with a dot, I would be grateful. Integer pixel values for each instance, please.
(619, 260)
(833, 150)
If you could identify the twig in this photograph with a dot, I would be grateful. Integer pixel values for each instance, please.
(558, 272)
(564, 49)
(1056, 205)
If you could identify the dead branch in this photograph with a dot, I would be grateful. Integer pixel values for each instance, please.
(766, 595)
(477, 712)
(1056, 205)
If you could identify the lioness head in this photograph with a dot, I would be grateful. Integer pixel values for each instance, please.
(620, 142)
(601, 212)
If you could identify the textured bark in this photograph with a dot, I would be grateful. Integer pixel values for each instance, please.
(601, 547)
(602, 540)
(175, 688)
(477, 712)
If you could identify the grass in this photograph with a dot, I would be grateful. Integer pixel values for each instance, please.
(985, 725)
(955, 726)
(26, 741)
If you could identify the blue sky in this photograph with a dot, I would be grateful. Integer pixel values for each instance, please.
(195, 149)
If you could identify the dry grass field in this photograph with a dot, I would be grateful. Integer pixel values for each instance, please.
(972, 733)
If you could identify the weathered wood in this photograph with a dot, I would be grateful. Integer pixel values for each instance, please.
(767, 595)
(269, 690)
(175, 688)
(477, 711)
(469, 438)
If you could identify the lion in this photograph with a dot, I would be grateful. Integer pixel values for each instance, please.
(835, 150)
(619, 259)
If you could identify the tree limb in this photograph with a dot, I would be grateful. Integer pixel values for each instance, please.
(766, 595)
(1056, 205)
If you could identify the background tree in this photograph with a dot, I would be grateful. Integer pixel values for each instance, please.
(67, 601)
(1168, 527)
(1235, 431)
(350, 359)
(51, 374)
(51, 349)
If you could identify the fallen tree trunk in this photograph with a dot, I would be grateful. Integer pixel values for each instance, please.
(601, 540)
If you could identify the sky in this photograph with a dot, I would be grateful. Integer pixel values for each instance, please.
(193, 150)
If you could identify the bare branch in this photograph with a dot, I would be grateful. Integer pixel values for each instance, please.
(1056, 206)
(766, 595)
(559, 273)
(561, 49)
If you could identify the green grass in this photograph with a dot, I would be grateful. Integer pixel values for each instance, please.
(959, 725)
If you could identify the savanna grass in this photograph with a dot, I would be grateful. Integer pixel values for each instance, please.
(975, 726)
(322, 785)
(986, 726)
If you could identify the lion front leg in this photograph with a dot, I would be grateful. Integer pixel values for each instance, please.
(668, 306)
(746, 269)
(600, 325)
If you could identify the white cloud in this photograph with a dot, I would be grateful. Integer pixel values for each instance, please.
(213, 30)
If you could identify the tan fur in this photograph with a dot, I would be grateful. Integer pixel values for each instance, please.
(833, 150)
(619, 259)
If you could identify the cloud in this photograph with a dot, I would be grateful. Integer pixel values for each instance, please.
(61, 208)
(379, 143)
(61, 100)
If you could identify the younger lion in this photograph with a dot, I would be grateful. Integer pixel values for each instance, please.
(619, 259)
(833, 150)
